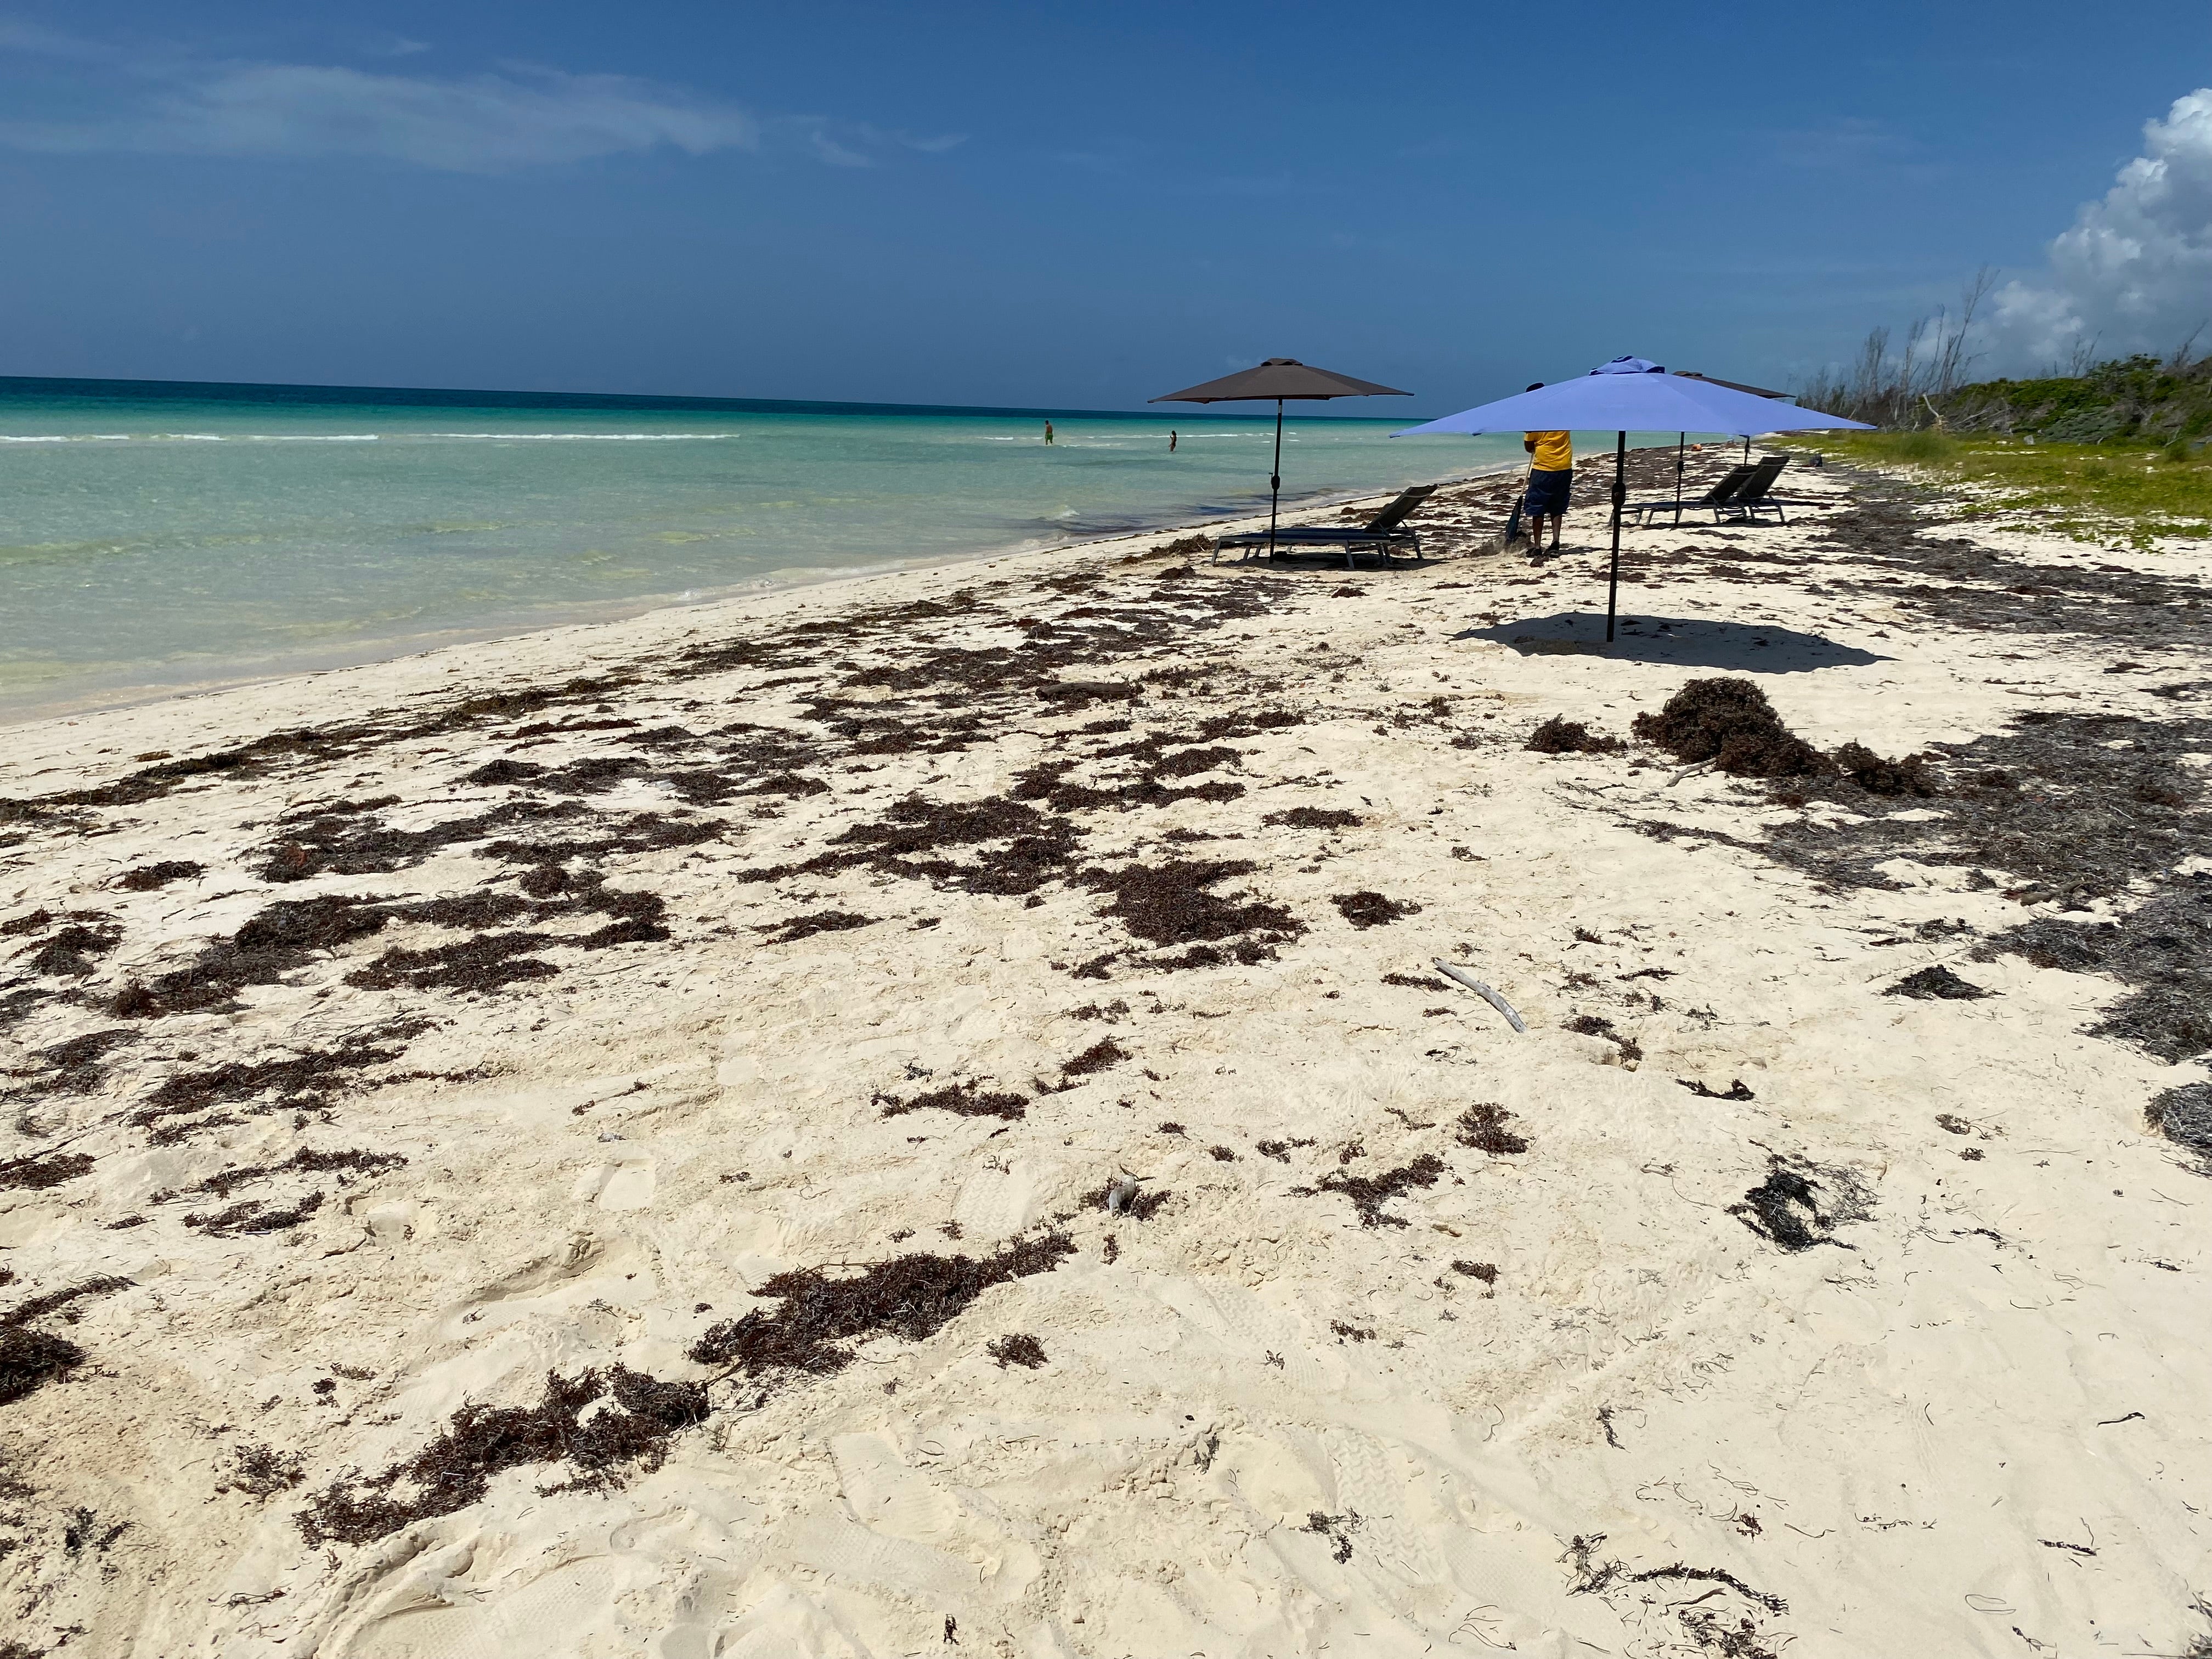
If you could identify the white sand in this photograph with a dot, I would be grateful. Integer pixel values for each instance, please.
(1974, 1425)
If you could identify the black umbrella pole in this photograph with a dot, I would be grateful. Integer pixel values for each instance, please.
(1619, 499)
(1275, 480)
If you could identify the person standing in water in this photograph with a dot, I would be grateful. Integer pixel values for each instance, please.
(1551, 478)
(1171, 442)
(1048, 431)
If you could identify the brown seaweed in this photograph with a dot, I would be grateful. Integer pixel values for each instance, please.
(454, 1471)
(1020, 1349)
(1561, 736)
(1369, 1193)
(1730, 722)
(962, 1098)
(913, 1296)
(1788, 1208)
(1482, 1126)
(1369, 910)
(147, 877)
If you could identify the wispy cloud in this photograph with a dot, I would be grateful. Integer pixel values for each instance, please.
(510, 117)
(1847, 143)
(856, 143)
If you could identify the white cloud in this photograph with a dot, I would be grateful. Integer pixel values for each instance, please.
(479, 124)
(2135, 273)
(151, 102)
(1847, 143)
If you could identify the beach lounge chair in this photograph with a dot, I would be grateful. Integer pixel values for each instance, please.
(1753, 498)
(1723, 492)
(1381, 535)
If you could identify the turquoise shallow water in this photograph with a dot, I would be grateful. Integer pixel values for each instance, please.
(154, 535)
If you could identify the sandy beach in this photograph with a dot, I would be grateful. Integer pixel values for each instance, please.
(918, 1115)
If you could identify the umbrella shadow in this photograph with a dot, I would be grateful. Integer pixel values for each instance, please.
(1678, 641)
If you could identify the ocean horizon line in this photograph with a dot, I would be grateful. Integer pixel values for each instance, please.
(100, 389)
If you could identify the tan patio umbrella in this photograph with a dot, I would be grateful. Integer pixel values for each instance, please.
(1281, 378)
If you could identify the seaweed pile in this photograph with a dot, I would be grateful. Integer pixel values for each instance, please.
(1884, 528)
(1730, 722)
(78, 1064)
(1370, 909)
(1313, 817)
(1369, 1193)
(283, 936)
(1788, 1208)
(1561, 736)
(1175, 903)
(1482, 1126)
(963, 1099)
(302, 1083)
(36, 1172)
(631, 1432)
(913, 1296)
(2163, 951)
(2184, 1116)
(29, 1358)
(1726, 1617)
(1937, 982)
(148, 877)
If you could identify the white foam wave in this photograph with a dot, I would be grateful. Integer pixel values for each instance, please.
(585, 437)
(362, 437)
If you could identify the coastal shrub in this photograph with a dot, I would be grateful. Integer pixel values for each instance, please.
(1926, 444)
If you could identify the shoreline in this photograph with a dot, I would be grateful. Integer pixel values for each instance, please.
(103, 695)
(787, 1129)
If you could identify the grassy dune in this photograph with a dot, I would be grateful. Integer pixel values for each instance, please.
(2132, 493)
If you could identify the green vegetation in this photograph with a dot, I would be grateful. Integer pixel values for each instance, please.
(2130, 400)
(2131, 490)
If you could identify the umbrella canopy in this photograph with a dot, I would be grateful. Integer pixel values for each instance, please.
(1633, 394)
(1279, 378)
(1647, 400)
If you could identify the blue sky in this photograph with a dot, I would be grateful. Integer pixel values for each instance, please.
(1049, 205)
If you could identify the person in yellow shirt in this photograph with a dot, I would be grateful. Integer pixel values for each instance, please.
(1551, 477)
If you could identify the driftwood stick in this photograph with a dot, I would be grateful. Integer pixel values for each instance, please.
(1482, 991)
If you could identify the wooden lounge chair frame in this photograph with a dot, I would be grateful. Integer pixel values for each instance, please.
(1755, 497)
(1381, 535)
(1721, 492)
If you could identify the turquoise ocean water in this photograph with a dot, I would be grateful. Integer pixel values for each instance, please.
(154, 535)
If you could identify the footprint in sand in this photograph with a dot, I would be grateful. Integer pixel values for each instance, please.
(624, 1182)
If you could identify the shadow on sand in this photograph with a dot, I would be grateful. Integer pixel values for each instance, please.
(1684, 641)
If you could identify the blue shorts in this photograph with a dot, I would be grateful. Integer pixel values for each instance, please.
(1547, 493)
